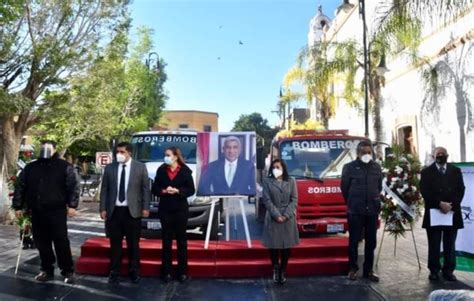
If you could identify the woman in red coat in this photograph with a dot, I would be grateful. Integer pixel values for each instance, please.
(173, 185)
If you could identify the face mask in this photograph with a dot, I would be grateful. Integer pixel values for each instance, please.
(441, 159)
(366, 158)
(121, 158)
(168, 160)
(277, 172)
(46, 151)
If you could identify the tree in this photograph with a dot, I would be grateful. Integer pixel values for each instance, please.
(317, 71)
(39, 49)
(255, 122)
(450, 74)
(398, 27)
(113, 98)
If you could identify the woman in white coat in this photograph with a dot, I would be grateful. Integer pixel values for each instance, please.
(280, 232)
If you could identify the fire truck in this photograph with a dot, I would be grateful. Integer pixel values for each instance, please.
(315, 159)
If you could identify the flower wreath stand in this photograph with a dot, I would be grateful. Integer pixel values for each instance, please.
(401, 199)
(389, 227)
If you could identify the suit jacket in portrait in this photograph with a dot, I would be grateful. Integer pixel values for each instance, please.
(436, 187)
(138, 190)
(213, 180)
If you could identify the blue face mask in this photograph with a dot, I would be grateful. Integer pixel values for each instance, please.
(168, 160)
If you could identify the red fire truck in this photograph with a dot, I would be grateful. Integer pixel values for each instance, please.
(315, 159)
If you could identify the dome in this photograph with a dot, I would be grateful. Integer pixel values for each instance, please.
(317, 26)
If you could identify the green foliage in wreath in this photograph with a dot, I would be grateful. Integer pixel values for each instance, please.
(402, 178)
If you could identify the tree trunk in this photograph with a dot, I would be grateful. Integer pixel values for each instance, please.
(11, 140)
(462, 117)
(377, 108)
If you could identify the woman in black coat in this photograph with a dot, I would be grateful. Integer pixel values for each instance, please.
(173, 185)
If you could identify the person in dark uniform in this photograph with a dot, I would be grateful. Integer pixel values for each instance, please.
(124, 199)
(442, 188)
(49, 189)
(173, 185)
(361, 185)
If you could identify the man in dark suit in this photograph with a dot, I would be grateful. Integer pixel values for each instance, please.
(442, 188)
(124, 199)
(231, 175)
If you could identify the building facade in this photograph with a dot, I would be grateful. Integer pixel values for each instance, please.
(190, 120)
(414, 115)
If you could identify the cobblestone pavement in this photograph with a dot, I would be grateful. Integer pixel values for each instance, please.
(401, 279)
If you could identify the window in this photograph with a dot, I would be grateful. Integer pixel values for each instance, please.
(207, 128)
(183, 126)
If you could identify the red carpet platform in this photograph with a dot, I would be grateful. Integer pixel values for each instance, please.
(225, 259)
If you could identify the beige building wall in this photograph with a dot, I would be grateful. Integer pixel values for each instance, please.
(191, 120)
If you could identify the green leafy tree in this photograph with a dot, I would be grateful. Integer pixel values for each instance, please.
(255, 122)
(113, 98)
(40, 48)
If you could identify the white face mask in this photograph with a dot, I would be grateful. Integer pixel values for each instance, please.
(277, 172)
(168, 160)
(46, 151)
(366, 158)
(121, 158)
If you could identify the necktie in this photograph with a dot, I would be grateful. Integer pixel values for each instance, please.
(230, 174)
(442, 170)
(122, 185)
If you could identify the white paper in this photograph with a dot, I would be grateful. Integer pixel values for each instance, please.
(438, 218)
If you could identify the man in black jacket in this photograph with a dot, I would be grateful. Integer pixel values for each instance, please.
(442, 188)
(48, 188)
(361, 185)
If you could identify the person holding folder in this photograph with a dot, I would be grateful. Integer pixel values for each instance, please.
(442, 188)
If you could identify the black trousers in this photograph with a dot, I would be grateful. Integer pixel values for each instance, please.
(173, 224)
(50, 227)
(123, 224)
(280, 258)
(435, 234)
(366, 226)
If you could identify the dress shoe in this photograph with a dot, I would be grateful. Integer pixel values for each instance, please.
(183, 278)
(352, 275)
(113, 279)
(69, 278)
(433, 277)
(276, 274)
(282, 277)
(372, 276)
(166, 278)
(449, 277)
(135, 278)
(43, 277)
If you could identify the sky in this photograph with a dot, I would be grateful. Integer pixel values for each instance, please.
(228, 56)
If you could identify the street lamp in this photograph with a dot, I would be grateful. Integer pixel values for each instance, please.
(366, 67)
(382, 67)
(150, 60)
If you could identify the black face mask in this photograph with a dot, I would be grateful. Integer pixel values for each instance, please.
(441, 159)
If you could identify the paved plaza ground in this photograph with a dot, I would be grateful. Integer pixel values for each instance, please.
(400, 277)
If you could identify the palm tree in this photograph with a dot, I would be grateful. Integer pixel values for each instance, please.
(450, 75)
(397, 28)
(317, 73)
